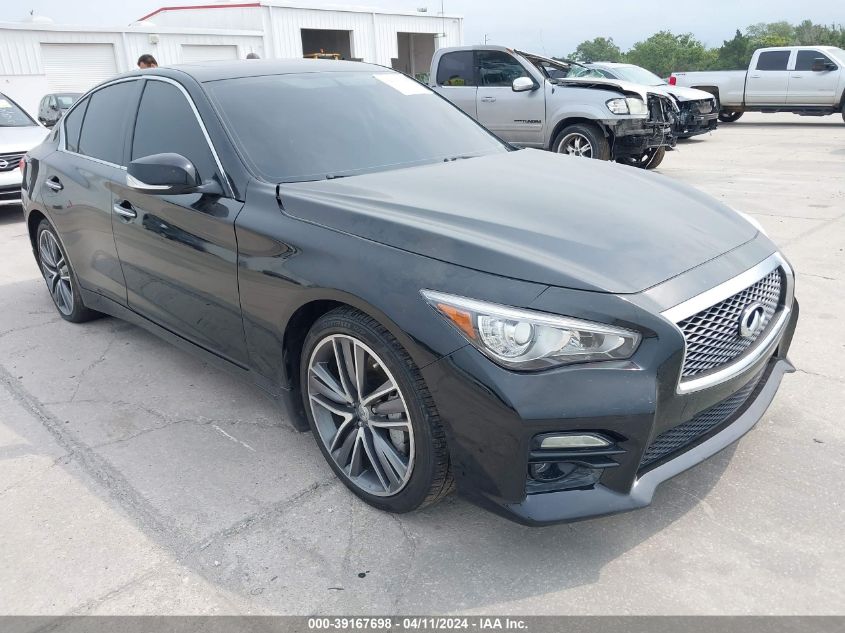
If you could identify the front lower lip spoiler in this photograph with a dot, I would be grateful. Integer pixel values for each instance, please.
(572, 505)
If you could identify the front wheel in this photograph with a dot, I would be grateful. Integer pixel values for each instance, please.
(729, 116)
(584, 140)
(649, 159)
(371, 413)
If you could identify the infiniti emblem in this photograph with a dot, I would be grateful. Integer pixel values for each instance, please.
(3, 163)
(751, 319)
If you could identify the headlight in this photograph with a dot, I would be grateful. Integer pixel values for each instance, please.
(618, 106)
(526, 340)
(636, 106)
(631, 105)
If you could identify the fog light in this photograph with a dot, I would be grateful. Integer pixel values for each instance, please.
(573, 441)
(546, 471)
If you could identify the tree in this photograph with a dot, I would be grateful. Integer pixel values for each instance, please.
(600, 49)
(664, 53)
(734, 54)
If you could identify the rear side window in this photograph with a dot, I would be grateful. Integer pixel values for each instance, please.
(73, 124)
(499, 69)
(805, 59)
(456, 69)
(773, 60)
(104, 126)
(167, 124)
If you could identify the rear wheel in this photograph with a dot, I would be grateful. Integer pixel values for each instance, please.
(60, 278)
(582, 139)
(650, 159)
(371, 413)
(729, 116)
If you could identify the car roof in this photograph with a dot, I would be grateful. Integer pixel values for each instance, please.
(215, 71)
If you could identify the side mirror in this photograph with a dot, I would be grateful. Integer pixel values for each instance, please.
(167, 175)
(821, 65)
(523, 84)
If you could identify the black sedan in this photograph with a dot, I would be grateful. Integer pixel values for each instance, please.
(554, 336)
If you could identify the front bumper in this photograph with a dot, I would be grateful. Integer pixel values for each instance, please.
(691, 123)
(10, 187)
(492, 418)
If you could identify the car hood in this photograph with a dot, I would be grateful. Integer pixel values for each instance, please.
(609, 84)
(21, 139)
(531, 215)
(681, 93)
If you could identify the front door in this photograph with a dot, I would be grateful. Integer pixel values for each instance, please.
(813, 87)
(516, 117)
(178, 252)
(767, 83)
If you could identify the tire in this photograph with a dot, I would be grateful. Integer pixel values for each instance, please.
(649, 160)
(571, 139)
(59, 276)
(843, 109)
(729, 116)
(402, 424)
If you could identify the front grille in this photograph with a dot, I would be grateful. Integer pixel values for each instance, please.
(8, 162)
(12, 193)
(712, 336)
(686, 433)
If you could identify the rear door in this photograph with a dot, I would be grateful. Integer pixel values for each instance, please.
(456, 80)
(178, 252)
(77, 184)
(516, 117)
(812, 87)
(768, 82)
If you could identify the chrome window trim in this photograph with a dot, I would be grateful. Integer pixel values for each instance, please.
(722, 292)
(62, 141)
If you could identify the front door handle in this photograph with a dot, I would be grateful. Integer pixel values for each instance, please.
(124, 209)
(54, 183)
(488, 99)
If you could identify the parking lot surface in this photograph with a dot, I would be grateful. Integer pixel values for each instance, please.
(136, 480)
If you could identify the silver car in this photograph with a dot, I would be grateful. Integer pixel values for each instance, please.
(19, 133)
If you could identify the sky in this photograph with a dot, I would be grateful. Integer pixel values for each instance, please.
(551, 27)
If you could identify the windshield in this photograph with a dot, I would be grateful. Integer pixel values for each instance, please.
(65, 101)
(12, 116)
(580, 71)
(637, 75)
(311, 126)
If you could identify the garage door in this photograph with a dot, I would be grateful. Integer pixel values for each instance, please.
(77, 67)
(208, 52)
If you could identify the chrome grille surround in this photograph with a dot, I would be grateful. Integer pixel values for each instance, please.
(10, 161)
(769, 335)
(712, 335)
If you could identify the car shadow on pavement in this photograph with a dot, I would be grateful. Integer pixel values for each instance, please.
(206, 468)
(10, 215)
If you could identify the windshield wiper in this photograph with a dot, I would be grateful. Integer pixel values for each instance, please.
(452, 159)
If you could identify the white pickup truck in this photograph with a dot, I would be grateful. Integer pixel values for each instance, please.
(805, 80)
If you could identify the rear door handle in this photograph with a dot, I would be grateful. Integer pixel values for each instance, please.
(488, 99)
(54, 183)
(124, 209)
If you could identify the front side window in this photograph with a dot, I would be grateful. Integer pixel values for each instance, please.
(497, 68)
(773, 60)
(104, 127)
(806, 59)
(312, 126)
(456, 69)
(167, 124)
(73, 124)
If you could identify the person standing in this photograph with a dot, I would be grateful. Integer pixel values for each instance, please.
(147, 61)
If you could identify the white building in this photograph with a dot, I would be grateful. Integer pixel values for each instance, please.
(38, 57)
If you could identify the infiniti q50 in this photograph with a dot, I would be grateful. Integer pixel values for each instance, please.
(554, 337)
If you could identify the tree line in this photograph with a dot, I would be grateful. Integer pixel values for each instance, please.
(666, 52)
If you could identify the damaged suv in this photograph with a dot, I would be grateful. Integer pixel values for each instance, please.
(526, 100)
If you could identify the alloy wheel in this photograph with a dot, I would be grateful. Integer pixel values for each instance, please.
(56, 272)
(576, 145)
(360, 415)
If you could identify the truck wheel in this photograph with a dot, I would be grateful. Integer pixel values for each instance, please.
(582, 139)
(729, 116)
(650, 159)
